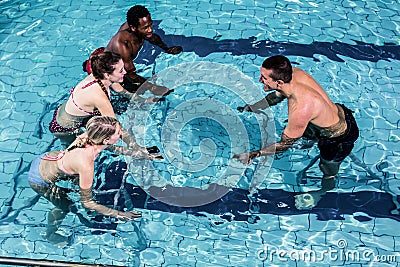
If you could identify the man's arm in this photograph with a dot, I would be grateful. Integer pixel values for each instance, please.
(156, 40)
(136, 97)
(270, 100)
(297, 123)
(274, 98)
(284, 144)
(125, 51)
(132, 76)
(275, 148)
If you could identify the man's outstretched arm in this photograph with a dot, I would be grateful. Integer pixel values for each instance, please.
(270, 100)
(156, 40)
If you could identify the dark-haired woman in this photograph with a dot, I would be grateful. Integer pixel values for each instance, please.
(89, 97)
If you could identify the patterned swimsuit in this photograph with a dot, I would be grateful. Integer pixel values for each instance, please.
(63, 122)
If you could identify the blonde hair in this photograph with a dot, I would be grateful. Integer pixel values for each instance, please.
(98, 129)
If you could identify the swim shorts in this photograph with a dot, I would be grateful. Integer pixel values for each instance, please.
(34, 174)
(338, 148)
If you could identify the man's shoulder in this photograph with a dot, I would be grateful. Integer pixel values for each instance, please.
(123, 31)
(124, 26)
(122, 37)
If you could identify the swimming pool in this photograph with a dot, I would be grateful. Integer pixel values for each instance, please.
(351, 48)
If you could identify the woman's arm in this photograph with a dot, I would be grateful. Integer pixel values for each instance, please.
(103, 104)
(88, 203)
(86, 175)
(106, 109)
(130, 140)
(139, 154)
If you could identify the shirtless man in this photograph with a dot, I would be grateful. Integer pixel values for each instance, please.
(129, 40)
(311, 114)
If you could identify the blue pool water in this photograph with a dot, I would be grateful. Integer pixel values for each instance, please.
(350, 47)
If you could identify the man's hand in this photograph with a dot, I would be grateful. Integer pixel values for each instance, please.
(153, 100)
(247, 158)
(247, 107)
(160, 90)
(174, 50)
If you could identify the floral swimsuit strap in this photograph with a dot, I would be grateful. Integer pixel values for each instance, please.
(54, 158)
(84, 87)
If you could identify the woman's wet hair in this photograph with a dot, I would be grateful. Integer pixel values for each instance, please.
(98, 129)
(280, 66)
(104, 63)
(135, 13)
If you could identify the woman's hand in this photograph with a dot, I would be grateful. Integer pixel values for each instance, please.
(143, 152)
(155, 157)
(128, 215)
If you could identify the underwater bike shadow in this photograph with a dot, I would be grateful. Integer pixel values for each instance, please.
(240, 205)
(203, 46)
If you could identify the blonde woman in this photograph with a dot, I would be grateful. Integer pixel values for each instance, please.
(77, 162)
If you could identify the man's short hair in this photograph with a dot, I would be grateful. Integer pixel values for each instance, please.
(135, 13)
(280, 66)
